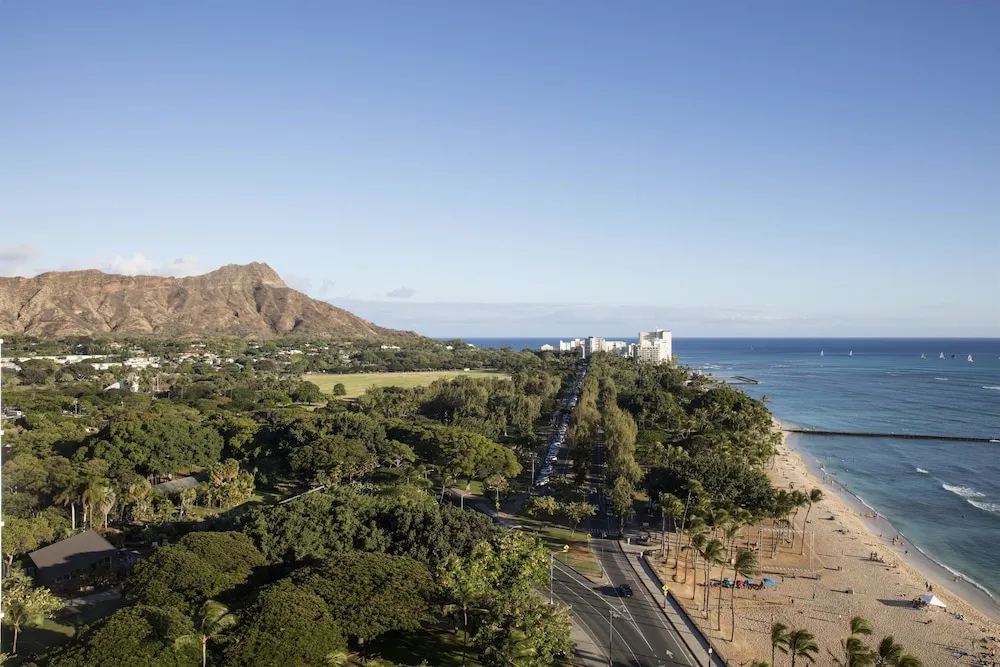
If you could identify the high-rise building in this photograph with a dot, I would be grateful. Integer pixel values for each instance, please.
(654, 347)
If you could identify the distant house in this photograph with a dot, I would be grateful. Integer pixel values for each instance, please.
(60, 561)
(179, 484)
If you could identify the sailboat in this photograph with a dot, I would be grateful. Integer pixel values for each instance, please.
(970, 358)
(941, 356)
(851, 353)
(923, 356)
(821, 353)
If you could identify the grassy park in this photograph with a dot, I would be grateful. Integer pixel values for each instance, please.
(357, 383)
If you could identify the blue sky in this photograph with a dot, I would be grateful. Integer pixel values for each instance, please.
(522, 168)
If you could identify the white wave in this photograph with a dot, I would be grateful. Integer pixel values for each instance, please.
(986, 507)
(993, 388)
(941, 379)
(921, 471)
(963, 491)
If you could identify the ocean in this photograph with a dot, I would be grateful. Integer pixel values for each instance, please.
(944, 496)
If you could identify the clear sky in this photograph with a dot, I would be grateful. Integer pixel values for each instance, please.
(523, 168)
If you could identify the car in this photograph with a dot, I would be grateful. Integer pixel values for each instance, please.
(608, 512)
(625, 590)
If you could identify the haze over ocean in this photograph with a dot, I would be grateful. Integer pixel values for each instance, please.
(943, 495)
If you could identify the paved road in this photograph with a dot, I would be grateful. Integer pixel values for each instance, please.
(638, 633)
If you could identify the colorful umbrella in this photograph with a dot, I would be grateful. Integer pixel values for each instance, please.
(770, 582)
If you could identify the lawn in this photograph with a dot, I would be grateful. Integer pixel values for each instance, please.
(580, 556)
(357, 383)
(440, 648)
(60, 629)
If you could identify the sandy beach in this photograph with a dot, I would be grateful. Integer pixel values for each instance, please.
(842, 581)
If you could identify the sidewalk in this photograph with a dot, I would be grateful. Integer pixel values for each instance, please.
(691, 636)
(588, 654)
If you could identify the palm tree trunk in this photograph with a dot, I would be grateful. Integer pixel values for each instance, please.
(204, 652)
(718, 606)
(732, 611)
(663, 536)
(802, 549)
(694, 575)
(72, 515)
(13, 648)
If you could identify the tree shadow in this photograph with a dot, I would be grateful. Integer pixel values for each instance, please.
(898, 603)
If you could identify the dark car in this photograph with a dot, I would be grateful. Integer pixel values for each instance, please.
(625, 590)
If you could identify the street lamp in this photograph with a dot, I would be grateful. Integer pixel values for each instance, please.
(709, 656)
(552, 566)
(611, 633)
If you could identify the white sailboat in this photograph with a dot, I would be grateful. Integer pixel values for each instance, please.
(821, 353)
(941, 356)
(923, 356)
(970, 358)
(851, 353)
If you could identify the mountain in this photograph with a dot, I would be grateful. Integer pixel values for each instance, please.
(237, 300)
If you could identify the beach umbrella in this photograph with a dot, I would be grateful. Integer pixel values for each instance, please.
(749, 582)
(770, 582)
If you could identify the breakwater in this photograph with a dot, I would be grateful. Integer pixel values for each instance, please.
(903, 436)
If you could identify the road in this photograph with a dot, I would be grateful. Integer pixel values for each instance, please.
(638, 633)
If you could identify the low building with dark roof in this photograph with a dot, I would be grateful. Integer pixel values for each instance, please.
(60, 561)
(181, 483)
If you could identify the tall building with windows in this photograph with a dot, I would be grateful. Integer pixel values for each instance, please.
(654, 347)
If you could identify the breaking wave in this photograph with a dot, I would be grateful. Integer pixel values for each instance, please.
(964, 491)
(921, 471)
(993, 508)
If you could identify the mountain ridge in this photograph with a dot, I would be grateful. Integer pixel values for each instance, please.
(249, 300)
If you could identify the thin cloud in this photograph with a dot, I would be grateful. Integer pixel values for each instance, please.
(139, 265)
(14, 259)
(401, 293)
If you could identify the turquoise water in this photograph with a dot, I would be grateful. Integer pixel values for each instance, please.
(943, 495)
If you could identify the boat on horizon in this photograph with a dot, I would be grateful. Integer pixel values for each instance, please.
(970, 358)
(941, 356)
(851, 353)
(821, 353)
(923, 356)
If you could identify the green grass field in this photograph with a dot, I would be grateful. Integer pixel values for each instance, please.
(357, 383)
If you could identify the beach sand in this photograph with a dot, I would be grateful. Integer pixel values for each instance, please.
(814, 596)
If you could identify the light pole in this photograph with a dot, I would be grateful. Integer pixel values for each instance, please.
(552, 567)
(709, 656)
(611, 634)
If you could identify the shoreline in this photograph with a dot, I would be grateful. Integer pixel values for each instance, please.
(940, 574)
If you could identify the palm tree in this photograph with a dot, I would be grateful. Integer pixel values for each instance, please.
(213, 619)
(814, 496)
(91, 499)
(907, 660)
(798, 501)
(856, 653)
(695, 544)
(696, 532)
(107, 503)
(711, 554)
(744, 565)
(860, 626)
(779, 639)
(670, 506)
(888, 652)
(801, 644)
(67, 498)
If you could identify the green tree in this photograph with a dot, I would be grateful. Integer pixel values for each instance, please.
(197, 568)
(25, 605)
(286, 626)
(621, 499)
(744, 565)
(576, 512)
(524, 631)
(135, 635)
(542, 505)
(814, 496)
(670, 507)
(213, 620)
(779, 639)
(370, 594)
(712, 553)
(23, 535)
(462, 583)
(801, 644)
(339, 389)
